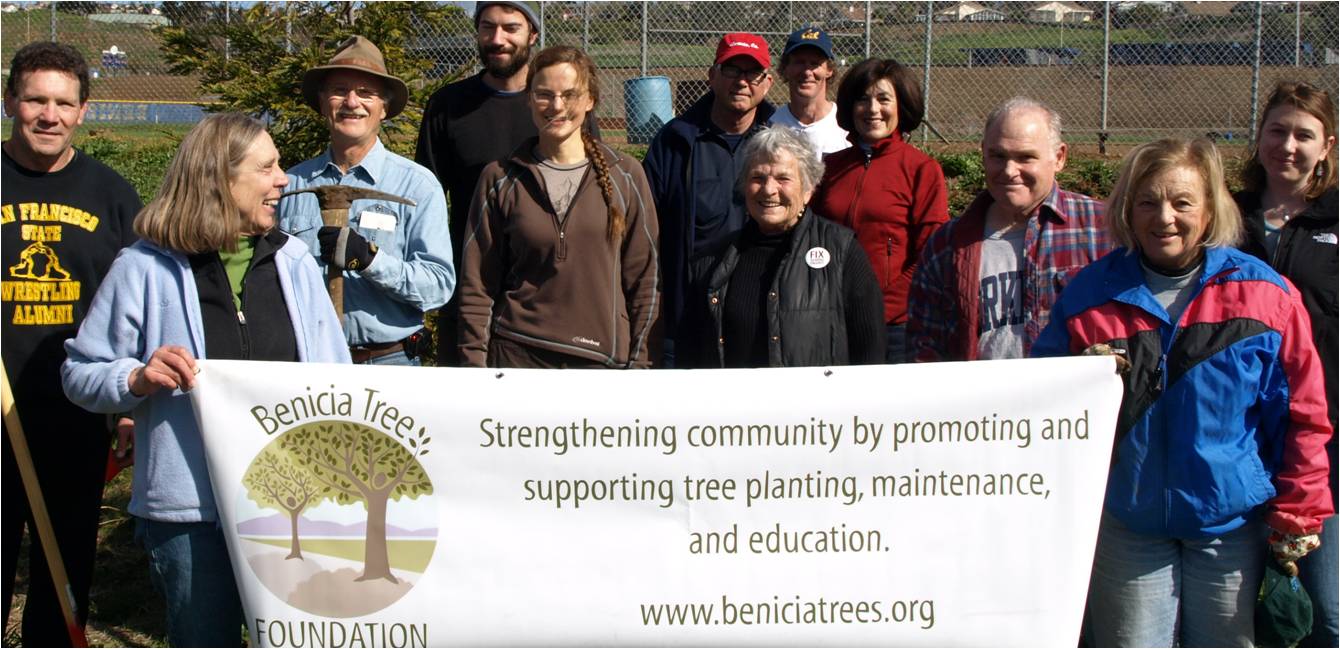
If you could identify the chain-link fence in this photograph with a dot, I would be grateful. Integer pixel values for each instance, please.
(1125, 70)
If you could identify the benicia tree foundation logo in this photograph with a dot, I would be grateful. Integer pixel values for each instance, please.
(337, 518)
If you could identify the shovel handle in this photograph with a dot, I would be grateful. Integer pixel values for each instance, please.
(46, 535)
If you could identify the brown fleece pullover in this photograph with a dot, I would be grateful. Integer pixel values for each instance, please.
(560, 286)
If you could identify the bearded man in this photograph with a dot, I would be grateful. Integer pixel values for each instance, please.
(477, 120)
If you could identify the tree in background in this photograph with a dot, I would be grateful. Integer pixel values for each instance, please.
(359, 464)
(270, 45)
(275, 481)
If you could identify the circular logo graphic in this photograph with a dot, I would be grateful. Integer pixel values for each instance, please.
(817, 257)
(338, 519)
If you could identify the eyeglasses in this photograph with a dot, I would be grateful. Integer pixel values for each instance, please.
(754, 77)
(363, 92)
(544, 98)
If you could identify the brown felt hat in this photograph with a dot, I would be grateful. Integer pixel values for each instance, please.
(356, 53)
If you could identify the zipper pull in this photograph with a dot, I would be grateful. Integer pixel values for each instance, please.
(1161, 375)
(562, 245)
(241, 318)
(888, 248)
(867, 159)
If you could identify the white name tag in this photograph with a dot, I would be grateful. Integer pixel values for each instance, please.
(376, 221)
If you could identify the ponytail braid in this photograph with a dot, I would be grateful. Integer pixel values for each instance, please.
(615, 228)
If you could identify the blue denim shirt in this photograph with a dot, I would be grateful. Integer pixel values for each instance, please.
(412, 272)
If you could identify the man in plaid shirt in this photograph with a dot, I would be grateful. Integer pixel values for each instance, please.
(986, 282)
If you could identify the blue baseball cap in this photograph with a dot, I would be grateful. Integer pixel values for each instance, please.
(809, 37)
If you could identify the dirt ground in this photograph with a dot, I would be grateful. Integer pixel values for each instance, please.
(1144, 101)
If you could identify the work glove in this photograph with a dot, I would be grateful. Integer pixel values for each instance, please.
(1104, 349)
(1289, 548)
(345, 248)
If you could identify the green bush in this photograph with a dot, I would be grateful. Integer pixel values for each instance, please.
(140, 160)
(1090, 176)
(964, 177)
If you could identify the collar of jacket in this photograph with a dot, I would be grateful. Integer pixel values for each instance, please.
(976, 211)
(795, 234)
(890, 143)
(1127, 281)
(524, 153)
(1323, 209)
(371, 165)
(283, 245)
(698, 118)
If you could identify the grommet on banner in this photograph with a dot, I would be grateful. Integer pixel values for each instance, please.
(828, 372)
(498, 375)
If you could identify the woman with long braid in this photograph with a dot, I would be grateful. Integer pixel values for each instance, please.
(560, 267)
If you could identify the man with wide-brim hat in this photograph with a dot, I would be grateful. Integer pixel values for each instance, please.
(397, 257)
(358, 54)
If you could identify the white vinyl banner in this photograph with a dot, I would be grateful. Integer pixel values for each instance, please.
(931, 505)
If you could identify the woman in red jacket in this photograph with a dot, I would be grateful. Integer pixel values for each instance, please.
(888, 191)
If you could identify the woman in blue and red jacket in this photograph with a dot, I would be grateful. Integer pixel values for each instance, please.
(1221, 433)
(885, 189)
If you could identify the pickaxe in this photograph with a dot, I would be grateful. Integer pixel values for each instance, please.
(334, 201)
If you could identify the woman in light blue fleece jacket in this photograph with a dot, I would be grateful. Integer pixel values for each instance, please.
(211, 278)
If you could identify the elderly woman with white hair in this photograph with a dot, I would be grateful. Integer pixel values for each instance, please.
(790, 290)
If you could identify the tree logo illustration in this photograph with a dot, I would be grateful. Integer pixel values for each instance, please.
(338, 519)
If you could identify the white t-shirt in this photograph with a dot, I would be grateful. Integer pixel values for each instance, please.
(826, 135)
(1001, 294)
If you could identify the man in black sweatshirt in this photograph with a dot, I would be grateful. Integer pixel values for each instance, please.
(65, 216)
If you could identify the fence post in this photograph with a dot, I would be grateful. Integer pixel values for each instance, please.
(1297, 32)
(227, 42)
(1256, 71)
(1107, 68)
(288, 27)
(586, 26)
(644, 38)
(53, 22)
(926, 74)
(867, 28)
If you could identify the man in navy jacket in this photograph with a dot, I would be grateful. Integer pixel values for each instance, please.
(692, 166)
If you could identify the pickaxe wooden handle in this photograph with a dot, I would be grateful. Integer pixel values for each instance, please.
(334, 201)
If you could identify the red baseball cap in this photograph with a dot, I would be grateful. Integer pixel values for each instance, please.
(743, 44)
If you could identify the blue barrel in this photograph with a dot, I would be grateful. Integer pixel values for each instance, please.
(647, 107)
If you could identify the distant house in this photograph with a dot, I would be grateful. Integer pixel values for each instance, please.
(147, 21)
(851, 14)
(1129, 5)
(968, 11)
(1059, 12)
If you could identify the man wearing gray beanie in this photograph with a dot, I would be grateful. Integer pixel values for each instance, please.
(477, 120)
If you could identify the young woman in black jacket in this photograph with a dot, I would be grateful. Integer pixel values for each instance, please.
(1289, 214)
